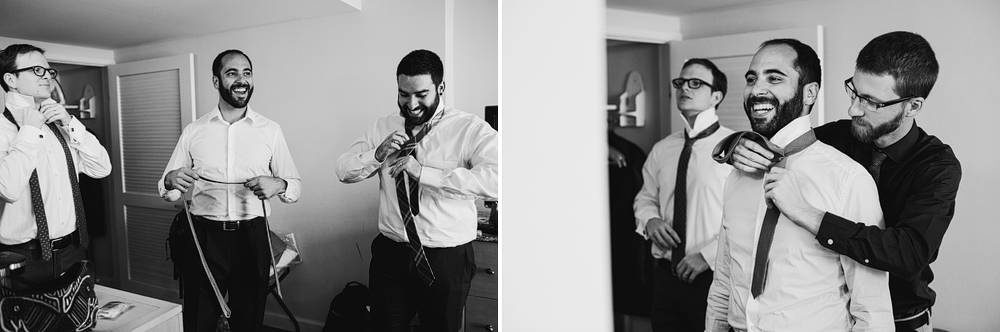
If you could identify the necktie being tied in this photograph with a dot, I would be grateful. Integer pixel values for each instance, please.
(876, 167)
(723, 154)
(38, 206)
(679, 222)
(409, 201)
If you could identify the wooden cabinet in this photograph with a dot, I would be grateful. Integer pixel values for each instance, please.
(481, 308)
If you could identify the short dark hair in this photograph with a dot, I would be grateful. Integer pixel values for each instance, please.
(905, 56)
(8, 59)
(806, 61)
(719, 81)
(217, 64)
(421, 62)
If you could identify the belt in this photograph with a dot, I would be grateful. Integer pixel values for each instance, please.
(913, 322)
(229, 226)
(57, 244)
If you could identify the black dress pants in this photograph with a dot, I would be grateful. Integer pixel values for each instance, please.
(396, 293)
(677, 305)
(239, 261)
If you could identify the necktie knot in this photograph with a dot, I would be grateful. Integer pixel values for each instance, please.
(876, 166)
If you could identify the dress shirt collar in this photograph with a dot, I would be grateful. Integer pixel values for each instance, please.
(17, 100)
(251, 115)
(791, 131)
(898, 150)
(702, 121)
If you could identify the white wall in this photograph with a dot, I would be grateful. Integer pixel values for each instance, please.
(477, 72)
(965, 36)
(325, 80)
(555, 249)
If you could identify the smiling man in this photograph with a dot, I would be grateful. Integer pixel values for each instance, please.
(230, 160)
(42, 152)
(770, 274)
(433, 163)
(917, 175)
(679, 207)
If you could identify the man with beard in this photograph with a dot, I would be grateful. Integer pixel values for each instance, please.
(433, 162)
(917, 175)
(44, 150)
(770, 274)
(685, 237)
(232, 160)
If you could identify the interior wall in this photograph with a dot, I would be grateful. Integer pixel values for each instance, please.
(623, 58)
(965, 36)
(477, 67)
(555, 255)
(324, 81)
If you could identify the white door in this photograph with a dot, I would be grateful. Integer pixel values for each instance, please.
(151, 102)
(732, 54)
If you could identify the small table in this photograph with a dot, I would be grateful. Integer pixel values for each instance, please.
(146, 313)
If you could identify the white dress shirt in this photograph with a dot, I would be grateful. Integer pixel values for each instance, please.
(215, 149)
(808, 287)
(22, 151)
(705, 179)
(460, 164)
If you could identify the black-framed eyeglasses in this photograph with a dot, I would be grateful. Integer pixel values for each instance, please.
(692, 83)
(38, 70)
(867, 103)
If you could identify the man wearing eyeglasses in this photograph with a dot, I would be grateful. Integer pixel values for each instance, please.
(42, 151)
(679, 206)
(917, 175)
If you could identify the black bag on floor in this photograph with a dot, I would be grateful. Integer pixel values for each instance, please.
(67, 303)
(349, 310)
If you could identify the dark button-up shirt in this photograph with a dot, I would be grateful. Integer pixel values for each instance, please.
(917, 188)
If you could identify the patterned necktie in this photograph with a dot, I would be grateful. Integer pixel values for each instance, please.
(409, 202)
(876, 167)
(680, 194)
(723, 154)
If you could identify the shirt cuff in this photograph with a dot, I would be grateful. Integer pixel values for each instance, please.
(833, 232)
(31, 135)
(75, 129)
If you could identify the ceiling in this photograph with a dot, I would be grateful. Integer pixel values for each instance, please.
(111, 24)
(685, 7)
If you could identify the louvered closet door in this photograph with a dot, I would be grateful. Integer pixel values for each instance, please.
(151, 102)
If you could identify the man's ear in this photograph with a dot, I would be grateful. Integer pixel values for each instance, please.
(9, 78)
(215, 82)
(810, 92)
(914, 106)
(441, 88)
(716, 98)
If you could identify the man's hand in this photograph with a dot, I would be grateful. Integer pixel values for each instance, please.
(662, 234)
(33, 118)
(392, 143)
(180, 179)
(690, 267)
(54, 112)
(406, 164)
(266, 186)
(782, 188)
(750, 157)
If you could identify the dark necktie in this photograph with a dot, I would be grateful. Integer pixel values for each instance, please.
(876, 167)
(38, 206)
(409, 202)
(680, 194)
(722, 154)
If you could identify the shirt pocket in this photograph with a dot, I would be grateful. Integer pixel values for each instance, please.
(443, 165)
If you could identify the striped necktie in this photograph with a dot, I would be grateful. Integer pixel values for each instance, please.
(409, 202)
